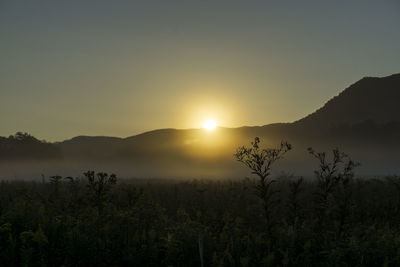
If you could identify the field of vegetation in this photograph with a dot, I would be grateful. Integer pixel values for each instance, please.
(334, 219)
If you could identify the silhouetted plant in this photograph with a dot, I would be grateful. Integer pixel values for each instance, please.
(99, 185)
(73, 189)
(395, 181)
(33, 246)
(330, 175)
(55, 181)
(259, 161)
(294, 207)
(7, 244)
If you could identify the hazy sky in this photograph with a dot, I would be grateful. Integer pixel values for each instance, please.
(119, 68)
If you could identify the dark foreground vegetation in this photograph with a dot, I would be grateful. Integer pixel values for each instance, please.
(98, 220)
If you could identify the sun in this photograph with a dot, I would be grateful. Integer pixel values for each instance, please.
(209, 125)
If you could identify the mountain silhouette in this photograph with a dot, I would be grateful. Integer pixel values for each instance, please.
(373, 99)
(363, 120)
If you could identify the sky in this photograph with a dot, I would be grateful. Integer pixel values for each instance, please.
(120, 68)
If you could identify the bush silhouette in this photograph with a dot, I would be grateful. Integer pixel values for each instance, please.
(260, 161)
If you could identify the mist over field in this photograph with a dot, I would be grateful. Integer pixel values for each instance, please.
(362, 120)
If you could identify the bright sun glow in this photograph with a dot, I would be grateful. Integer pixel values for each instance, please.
(209, 125)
